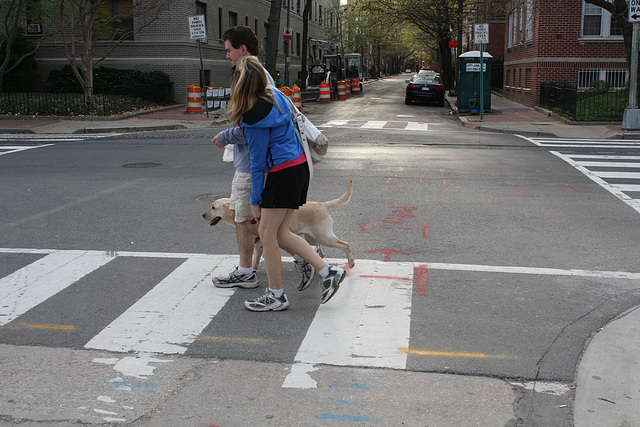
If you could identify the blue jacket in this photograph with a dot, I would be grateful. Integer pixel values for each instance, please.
(235, 136)
(272, 140)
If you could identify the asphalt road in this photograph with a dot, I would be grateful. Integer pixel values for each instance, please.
(516, 258)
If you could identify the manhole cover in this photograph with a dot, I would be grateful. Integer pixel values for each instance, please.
(141, 165)
(210, 198)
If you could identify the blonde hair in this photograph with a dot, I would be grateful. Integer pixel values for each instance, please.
(248, 84)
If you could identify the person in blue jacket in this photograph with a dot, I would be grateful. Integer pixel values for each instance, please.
(279, 180)
(240, 41)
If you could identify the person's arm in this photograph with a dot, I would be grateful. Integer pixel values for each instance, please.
(232, 135)
(258, 145)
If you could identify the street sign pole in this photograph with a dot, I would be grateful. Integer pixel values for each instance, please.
(198, 32)
(481, 82)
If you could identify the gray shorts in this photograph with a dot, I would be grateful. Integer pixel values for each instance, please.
(241, 196)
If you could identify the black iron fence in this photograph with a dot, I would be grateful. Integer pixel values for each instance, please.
(72, 101)
(595, 104)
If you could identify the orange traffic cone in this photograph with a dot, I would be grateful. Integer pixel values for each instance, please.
(297, 98)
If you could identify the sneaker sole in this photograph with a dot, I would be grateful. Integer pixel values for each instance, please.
(250, 285)
(344, 273)
(266, 309)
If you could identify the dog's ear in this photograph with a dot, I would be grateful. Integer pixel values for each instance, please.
(226, 204)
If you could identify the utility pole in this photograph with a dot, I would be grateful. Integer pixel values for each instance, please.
(631, 117)
(287, 59)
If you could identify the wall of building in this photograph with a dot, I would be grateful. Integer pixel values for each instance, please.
(166, 45)
(557, 51)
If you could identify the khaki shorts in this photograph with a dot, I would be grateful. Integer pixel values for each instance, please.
(241, 196)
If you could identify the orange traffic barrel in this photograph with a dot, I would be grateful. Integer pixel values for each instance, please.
(355, 86)
(342, 90)
(325, 92)
(286, 90)
(347, 85)
(194, 104)
(297, 98)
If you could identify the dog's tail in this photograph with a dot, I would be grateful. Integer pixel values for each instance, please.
(342, 199)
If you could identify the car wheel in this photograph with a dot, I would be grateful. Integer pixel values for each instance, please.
(407, 101)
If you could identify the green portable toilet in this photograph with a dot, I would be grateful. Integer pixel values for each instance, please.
(469, 82)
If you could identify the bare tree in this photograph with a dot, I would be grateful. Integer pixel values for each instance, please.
(273, 35)
(81, 23)
(12, 12)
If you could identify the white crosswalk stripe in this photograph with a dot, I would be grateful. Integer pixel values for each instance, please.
(367, 324)
(379, 125)
(17, 143)
(617, 173)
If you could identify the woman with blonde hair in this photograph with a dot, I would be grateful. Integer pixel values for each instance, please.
(275, 151)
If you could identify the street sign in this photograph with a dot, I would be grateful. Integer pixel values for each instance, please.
(287, 34)
(453, 43)
(634, 11)
(197, 27)
(481, 33)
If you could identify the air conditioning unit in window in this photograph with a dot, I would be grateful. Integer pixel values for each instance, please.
(34, 29)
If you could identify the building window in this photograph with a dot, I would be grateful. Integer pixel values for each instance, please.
(220, 23)
(598, 22)
(233, 19)
(615, 78)
(119, 14)
(298, 51)
(298, 6)
(320, 14)
(255, 27)
(201, 9)
(34, 17)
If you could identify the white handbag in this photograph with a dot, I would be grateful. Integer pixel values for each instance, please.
(308, 134)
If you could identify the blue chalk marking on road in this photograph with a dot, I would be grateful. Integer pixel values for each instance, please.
(341, 417)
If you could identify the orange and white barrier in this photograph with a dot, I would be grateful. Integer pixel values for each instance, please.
(194, 103)
(297, 98)
(347, 85)
(342, 90)
(325, 92)
(355, 86)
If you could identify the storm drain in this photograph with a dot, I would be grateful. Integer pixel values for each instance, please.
(141, 165)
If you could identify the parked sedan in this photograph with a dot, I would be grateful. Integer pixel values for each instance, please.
(427, 88)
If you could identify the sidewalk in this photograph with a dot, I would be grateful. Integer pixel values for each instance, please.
(510, 117)
(168, 118)
(607, 379)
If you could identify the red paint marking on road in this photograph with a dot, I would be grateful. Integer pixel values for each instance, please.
(387, 253)
(425, 230)
(395, 185)
(365, 226)
(395, 228)
(370, 276)
(420, 279)
(455, 187)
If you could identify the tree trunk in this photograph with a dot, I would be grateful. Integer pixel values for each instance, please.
(305, 43)
(273, 35)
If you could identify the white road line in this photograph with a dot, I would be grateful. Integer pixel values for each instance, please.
(417, 126)
(621, 175)
(172, 314)
(609, 164)
(337, 261)
(40, 280)
(602, 156)
(634, 203)
(366, 323)
(15, 149)
(629, 187)
(373, 125)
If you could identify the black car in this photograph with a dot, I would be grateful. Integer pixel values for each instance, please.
(427, 88)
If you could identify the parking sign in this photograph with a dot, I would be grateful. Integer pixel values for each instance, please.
(481, 33)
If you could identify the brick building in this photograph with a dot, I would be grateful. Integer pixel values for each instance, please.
(550, 40)
(166, 44)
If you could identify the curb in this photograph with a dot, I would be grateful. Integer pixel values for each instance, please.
(129, 129)
(14, 131)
